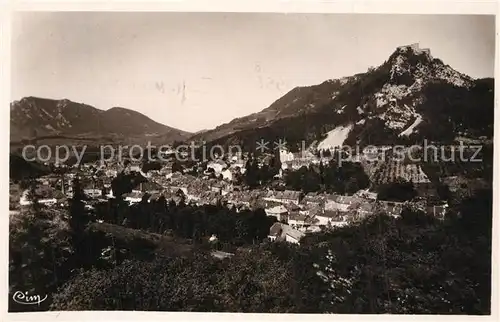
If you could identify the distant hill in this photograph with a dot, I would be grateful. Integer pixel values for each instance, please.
(21, 169)
(34, 117)
(409, 97)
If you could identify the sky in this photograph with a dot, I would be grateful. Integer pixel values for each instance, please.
(194, 71)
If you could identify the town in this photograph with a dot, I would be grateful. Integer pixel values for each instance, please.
(222, 182)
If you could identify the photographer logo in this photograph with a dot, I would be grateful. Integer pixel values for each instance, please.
(26, 299)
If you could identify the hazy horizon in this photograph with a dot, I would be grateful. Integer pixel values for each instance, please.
(195, 71)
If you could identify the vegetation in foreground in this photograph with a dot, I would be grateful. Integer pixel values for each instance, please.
(413, 264)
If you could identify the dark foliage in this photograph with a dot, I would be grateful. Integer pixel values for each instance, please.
(125, 182)
(342, 178)
(399, 190)
(449, 110)
(21, 169)
(415, 264)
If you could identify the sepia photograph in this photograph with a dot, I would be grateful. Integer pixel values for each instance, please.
(330, 163)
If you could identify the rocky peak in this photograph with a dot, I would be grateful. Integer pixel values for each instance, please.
(414, 49)
(411, 65)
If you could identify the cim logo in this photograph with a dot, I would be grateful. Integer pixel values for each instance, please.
(26, 299)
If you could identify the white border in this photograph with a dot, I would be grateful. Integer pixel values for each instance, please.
(290, 6)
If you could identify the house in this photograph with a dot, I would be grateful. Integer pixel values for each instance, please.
(110, 194)
(221, 255)
(167, 153)
(391, 208)
(24, 200)
(365, 193)
(195, 190)
(313, 229)
(298, 163)
(365, 209)
(216, 187)
(280, 212)
(341, 203)
(283, 232)
(313, 200)
(240, 165)
(93, 193)
(172, 196)
(155, 196)
(110, 173)
(234, 158)
(438, 211)
(149, 186)
(209, 198)
(292, 207)
(312, 211)
(324, 217)
(297, 220)
(239, 199)
(285, 197)
(48, 201)
(134, 197)
(286, 156)
(227, 174)
(217, 166)
(175, 189)
(333, 219)
(135, 168)
(46, 196)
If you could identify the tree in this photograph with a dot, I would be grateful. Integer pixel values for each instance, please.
(177, 167)
(252, 172)
(39, 253)
(251, 282)
(33, 197)
(399, 190)
(77, 223)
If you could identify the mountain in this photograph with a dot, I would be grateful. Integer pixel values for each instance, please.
(409, 97)
(33, 117)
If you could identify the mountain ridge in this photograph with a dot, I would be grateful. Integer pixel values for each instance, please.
(33, 117)
(401, 100)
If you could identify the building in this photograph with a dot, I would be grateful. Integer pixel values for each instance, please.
(284, 197)
(216, 188)
(438, 211)
(221, 255)
(391, 208)
(175, 189)
(167, 169)
(111, 173)
(331, 219)
(313, 200)
(227, 174)
(24, 201)
(283, 232)
(296, 164)
(297, 220)
(341, 203)
(135, 167)
(93, 193)
(240, 165)
(280, 212)
(365, 209)
(134, 197)
(218, 166)
(286, 156)
(366, 194)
